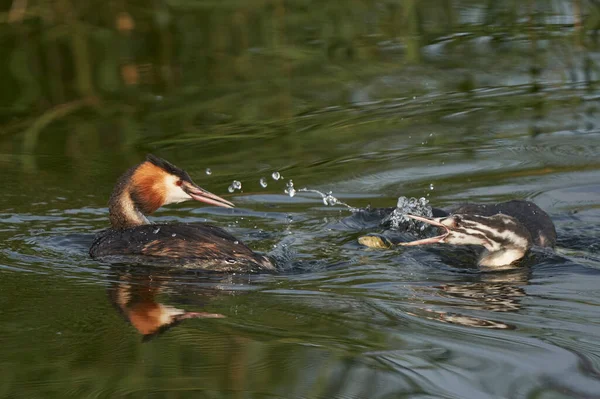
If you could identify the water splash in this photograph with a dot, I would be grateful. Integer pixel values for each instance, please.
(412, 206)
(263, 182)
(208, 171)
(329, 199)
(276, 176)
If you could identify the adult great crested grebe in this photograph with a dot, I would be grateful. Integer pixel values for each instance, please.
(142, 190)
(506, 230)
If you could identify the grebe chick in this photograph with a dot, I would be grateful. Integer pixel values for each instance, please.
(506, 230)
(142, 190)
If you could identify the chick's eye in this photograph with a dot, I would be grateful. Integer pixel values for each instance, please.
(179, 183)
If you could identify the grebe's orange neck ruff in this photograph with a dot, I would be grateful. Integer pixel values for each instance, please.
(148, 186)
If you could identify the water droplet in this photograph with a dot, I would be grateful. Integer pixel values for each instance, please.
(173, 235)
(431, 186)
(236, 242)
(290, 190)
(237, 184)
(276, 176)
(208, 171)
(263, 182)
(156, 230)
(230, 189)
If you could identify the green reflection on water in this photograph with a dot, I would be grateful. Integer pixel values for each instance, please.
(84, 76)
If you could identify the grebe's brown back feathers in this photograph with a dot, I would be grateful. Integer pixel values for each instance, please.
(198, 245)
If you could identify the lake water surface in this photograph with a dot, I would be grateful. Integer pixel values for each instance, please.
(476, 110)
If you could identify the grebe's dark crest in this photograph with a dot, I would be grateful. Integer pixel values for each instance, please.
(145, 188)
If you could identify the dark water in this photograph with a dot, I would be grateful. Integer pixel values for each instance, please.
(455, 101)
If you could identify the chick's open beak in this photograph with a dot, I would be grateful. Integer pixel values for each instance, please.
(431, 240)
(200, 194)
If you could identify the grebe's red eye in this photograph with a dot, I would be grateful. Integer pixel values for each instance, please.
(179, 183)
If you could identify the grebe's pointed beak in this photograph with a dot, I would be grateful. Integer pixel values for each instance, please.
(431, 240)
(200, 194)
